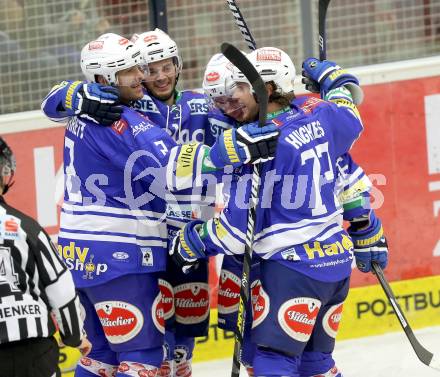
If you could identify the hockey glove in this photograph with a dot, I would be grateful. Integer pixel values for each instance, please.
(96, 102)
(370, 245)
(248, 143)
(187, 247)
(323, 76)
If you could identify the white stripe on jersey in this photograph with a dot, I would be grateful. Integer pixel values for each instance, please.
(107, 238)
(285, 238)
(108, 211)
(61, 291)
(59, 268)
(299, 225)
(98, 223)
(48, 268)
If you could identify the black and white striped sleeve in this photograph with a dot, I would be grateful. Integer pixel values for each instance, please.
(60, 290)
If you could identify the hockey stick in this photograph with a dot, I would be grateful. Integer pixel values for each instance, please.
(235, 56)
(241, 23)
(422, 353)
(322, 15)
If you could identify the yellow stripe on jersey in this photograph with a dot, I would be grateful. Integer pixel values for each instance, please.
(345, 103)
(229, 144)
(69, 94)
(186, 160)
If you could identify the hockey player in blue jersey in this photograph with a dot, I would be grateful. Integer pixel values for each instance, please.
(112, 234)
(352, 190)
(184, 115)
(306, 255)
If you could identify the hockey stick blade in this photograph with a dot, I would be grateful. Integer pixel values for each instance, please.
(241, 23)
(236, 57)
(426, 357)
(322, 15)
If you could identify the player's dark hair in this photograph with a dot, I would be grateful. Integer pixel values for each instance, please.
(281, 99)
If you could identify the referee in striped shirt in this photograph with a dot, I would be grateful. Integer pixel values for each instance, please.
(35, 288)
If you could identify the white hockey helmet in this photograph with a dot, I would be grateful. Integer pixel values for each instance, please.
(107, 55)
(272, 64)
(157, 45)
(218, 76)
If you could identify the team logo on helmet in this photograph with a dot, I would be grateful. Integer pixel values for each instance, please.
(332, 319)
(297, 317)
(228, 292)
(269, 55)
(120, 320)
(123, 41)
(212, 76)
(96, 45)
(191, 303)
(150, 38)
(260, 303)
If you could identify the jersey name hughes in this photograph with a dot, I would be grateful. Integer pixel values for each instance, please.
(305, 134)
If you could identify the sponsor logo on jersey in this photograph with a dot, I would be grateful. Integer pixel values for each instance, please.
(290, 255)
(120, 255)
(79, 259)
(9, 227)
(119, 126)
(198, 106)
(141, 127)
(146, 104)
(147, 257)
(331, 320)
(158, 312)
(317, 249)
(120, 320)
(260, 303)
(297, 317)
(228, 292)
(269, 55)
(85, 361)
(167, 297)
(212, 76)
(191, 303)
(96, 45)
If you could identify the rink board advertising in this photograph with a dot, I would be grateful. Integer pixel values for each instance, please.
(399, 150)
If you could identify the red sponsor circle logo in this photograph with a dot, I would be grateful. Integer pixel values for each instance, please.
(260, 303)
(269, 55)
(150, 38)
(228, 292)
(123, 41)
(332, 319)
(166, 291)
(120, 320)
(297, 317)
(212, 76)
(85, 361)
(191, 302)
(96, 45)
(158, 313)
(165, 369)
(11, 226)
(120, 126)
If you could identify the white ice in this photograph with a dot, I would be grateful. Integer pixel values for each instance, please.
(389, 355)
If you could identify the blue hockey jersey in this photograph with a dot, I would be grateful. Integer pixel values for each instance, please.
(113, 216)
(299, 214)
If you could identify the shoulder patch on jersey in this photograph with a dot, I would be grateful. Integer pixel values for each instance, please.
(310, 104)
(119, 126)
